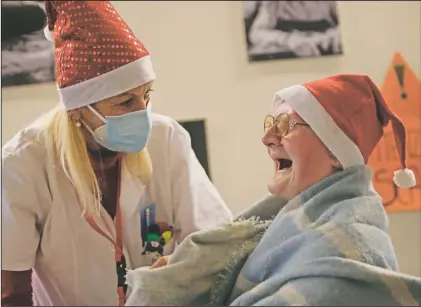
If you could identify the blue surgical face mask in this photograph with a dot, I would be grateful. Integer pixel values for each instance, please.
(124, 133)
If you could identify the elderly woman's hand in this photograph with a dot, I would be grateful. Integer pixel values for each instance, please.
(163, 261)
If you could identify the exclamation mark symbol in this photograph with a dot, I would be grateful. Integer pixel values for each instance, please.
(399, 70)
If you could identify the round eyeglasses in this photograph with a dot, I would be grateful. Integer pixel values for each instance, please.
(283, 124)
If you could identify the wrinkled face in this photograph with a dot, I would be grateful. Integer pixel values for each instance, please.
(130, 101)
(300, 158)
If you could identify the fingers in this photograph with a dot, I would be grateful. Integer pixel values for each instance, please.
(337, 44)
(334, 38)
(325, 43)
(163, 261)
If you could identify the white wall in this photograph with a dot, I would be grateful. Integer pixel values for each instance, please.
(199, 54)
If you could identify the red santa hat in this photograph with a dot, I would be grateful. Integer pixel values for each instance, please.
(97, 55)
(348, 113)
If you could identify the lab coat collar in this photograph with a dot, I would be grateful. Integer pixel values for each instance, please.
(131, 191)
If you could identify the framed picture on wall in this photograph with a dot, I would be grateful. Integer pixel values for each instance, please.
(27, 56)
(197, 131)
(291, 29)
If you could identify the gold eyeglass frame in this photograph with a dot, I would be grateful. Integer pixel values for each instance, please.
(275, 122)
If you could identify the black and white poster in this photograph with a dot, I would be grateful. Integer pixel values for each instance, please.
(27, 56)
(291, 29)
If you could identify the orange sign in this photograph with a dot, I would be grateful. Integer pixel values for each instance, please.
(402, 91)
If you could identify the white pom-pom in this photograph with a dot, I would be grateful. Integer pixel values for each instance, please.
(49, 35)
(404, 178)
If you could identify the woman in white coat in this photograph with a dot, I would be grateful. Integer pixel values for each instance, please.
(101, 183)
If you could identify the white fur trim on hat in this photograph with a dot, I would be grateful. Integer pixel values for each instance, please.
(307, 106)
(404, 178)
(49, 35)
(110, 84)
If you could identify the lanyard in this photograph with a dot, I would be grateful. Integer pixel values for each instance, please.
(118, 244)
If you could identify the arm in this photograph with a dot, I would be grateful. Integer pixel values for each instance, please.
(197, 203)
(336, 264)
(262, 32)
(20, 237)
(307, 291)
(316, 291)
(333, 10)
(16, 288)
(382, 290)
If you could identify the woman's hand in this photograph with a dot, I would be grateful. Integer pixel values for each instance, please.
(163, 261)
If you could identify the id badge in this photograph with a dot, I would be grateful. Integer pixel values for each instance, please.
(147, 218)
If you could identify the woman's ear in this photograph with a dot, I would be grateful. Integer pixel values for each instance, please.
(75, 115)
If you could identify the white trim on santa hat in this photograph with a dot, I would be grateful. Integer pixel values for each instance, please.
(312, 112)
(110, 84)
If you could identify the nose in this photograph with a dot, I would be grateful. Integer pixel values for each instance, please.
(143, 102)
(140, 104)
(271, 138)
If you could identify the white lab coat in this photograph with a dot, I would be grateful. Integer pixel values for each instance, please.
(42, 227)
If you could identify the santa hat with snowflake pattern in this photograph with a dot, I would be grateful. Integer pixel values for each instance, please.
(348, 113)
(97, 55)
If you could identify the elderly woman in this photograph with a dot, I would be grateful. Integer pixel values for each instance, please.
(101, 183)
(321, 238)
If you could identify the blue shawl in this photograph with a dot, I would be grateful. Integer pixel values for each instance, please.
(328, 246)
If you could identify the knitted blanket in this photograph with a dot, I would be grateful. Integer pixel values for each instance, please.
(327, 246)
(205, 265)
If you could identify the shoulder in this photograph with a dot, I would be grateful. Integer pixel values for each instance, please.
(24, 167)
(168, 141)
(162, 123)
(166, 129)
(25, 148)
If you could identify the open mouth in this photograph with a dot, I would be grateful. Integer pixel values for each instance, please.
(284, 164)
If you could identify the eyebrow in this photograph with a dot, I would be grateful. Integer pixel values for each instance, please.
(122, 95)
(126, 96)
(129, 93)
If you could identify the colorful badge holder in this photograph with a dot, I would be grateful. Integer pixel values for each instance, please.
(155, 235)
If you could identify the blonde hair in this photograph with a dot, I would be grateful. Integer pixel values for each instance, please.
(66, 145)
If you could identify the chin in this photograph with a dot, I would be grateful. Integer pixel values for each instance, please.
(282, 184)
(277, 188)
